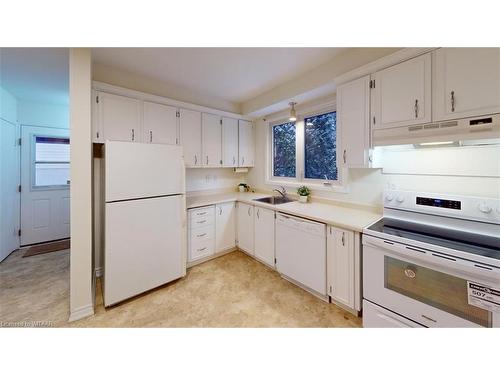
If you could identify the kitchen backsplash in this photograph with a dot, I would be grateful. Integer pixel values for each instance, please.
(212, 179)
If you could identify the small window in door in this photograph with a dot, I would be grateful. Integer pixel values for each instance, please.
(51, 162)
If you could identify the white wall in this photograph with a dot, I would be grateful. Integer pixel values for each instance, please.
(43, 114)
(81, 267)
(212, 179)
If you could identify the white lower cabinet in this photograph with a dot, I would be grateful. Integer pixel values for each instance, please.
(375, 316)
(245, 227)
(225, 226)
(201, 233)
(264, 235)
(341, 272)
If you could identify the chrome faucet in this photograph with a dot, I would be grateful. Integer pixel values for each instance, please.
(282, 191)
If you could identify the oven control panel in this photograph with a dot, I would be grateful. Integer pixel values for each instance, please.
(464, 207)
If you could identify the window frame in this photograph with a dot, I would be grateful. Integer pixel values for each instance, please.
(34, 186)
(299, 180)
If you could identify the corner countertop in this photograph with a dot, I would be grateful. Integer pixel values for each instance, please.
(352, 218)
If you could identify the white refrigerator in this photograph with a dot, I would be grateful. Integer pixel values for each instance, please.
(145, 218)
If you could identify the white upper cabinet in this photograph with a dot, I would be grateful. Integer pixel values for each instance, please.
(402, 94)
(190, 131)
(353, 117)
(119, 117)
(264, 235)
(245, 227)
(341, 266)
(225, 226)
(246, 144)
(211, 140)
(229, 142)
(159, 124)
(466, 82)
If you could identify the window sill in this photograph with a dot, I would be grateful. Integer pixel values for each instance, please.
(334, 187)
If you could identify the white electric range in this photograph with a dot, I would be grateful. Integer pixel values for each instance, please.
(432, 261)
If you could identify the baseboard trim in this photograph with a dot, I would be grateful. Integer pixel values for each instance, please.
(214, 256)
(81, 312)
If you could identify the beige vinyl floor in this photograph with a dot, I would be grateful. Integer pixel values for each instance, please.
(231, 291)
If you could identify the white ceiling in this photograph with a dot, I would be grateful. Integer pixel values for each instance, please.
(36, 74)
(233, 74)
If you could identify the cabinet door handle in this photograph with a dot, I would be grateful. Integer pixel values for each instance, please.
(258, 211)
(220, 211)
(201, 222)
(150, 136)
(343, 239)
(243, 160)
(195, 160)
(344, 155)
(416, 108)
(201, 213)
(133, 134)
(248, 211)
(234, 160)
(201, 235)
(453, 101)
(202, 249)
(207, 159)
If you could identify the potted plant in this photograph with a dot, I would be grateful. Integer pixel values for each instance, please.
(304, 192)
(242, 187)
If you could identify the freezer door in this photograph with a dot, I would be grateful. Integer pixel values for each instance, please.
(139, 170)
(145, 245)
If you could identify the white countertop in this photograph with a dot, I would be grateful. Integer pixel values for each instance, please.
(338, 215)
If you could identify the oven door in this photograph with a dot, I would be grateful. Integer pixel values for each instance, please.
(425, 286)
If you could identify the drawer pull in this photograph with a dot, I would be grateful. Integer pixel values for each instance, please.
(201, 222)
(201, 235)
(201, 213)
(202, 249)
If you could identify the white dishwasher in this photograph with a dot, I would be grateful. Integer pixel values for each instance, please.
(301, 251)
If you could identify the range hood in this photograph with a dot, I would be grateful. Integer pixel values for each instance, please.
(484, 127)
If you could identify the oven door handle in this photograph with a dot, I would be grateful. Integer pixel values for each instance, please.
(431, 257)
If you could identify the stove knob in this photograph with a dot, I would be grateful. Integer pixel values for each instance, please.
(400, 199)
(484, 208)
(389, 197)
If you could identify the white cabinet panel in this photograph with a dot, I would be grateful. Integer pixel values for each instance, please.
(377, 317)
(160, 124)
(201, 233)
(246, 144)
(353, 118)
(119, 117)
(229, 142)
(190, 130)
(225, 226)
(340, 266)
(466, 82)
(264, 235)
(211, 140)
(245, 227)
(402, 94)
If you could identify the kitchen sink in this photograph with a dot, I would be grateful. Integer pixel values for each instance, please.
(274, 200)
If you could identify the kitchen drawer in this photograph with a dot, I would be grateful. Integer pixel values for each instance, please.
(202, 233)
(202, 221)
(200, 248)
(202, 212)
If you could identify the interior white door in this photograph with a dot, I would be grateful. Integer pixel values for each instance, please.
(144, 245)
(340, 266)
(246, 144)
(9, 194)
(353, 119)
(245, 227)
(264, 235)
(190, 131)
(160, 124)
(402, 94)
(225, 226)
(119, 117)
(229, 142)
(466, 82)
(211, 140)
(45, 191)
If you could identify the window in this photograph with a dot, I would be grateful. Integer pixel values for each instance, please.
(284, 153)
(320, 146)
(304, 152)
(51, 161)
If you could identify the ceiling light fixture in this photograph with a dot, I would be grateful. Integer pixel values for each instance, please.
(293, 114)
